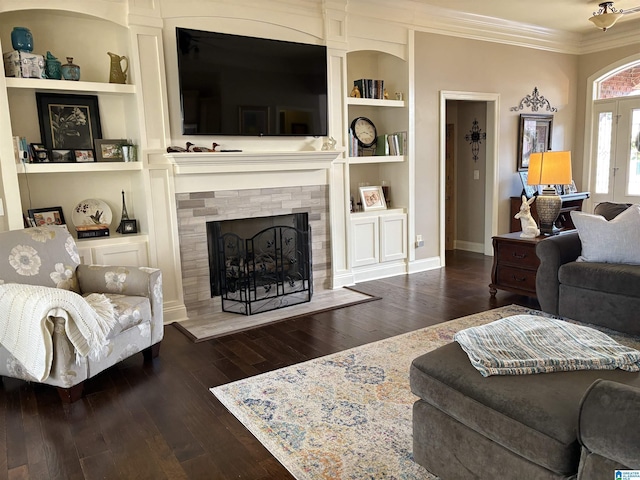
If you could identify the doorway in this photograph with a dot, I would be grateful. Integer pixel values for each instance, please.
(490, 201)
(615, 169)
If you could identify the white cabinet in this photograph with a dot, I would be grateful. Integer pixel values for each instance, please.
(121, 251)
(378, 238)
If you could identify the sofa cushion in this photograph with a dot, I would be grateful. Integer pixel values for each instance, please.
(621, 279)
(614, 241)
(534, 416)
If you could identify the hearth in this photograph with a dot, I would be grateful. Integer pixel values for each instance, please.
(261, 263)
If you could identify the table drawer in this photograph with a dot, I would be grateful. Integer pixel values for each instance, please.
(516, 278)
(522, 255)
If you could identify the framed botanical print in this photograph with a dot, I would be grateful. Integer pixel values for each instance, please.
(534, 135)
(68, 122)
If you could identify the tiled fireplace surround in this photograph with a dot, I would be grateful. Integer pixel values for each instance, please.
(195, 209)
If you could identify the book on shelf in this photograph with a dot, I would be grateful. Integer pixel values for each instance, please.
(21, 149)
(370, 88)
(382, 145)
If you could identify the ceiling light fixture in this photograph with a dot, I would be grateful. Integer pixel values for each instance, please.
(606, 16)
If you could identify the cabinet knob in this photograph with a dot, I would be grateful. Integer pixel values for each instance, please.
(519, 255)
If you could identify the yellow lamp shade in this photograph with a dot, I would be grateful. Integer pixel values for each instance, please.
(550, 168)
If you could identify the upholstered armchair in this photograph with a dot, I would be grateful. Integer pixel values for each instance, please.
(62, 322)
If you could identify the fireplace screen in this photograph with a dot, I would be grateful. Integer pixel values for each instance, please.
(270, 270)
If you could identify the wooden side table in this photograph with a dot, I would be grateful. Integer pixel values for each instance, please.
(515, 264)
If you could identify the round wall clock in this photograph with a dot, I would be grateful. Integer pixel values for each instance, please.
(364, 131)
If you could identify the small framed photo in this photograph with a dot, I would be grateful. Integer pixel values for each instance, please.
(39, 153)
(46, 216)
(570, 188)
(128, 226)
(84, 156)
(529, 190)
(372, 198)
(110, 150)
(62, 156)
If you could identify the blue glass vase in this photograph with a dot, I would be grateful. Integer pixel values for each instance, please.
(21, 39)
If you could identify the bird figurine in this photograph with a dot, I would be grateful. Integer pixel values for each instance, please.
(193, 148)
(96, 217)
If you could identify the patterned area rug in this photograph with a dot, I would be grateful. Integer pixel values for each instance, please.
(346, 415)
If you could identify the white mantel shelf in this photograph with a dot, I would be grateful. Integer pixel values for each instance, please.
(194, 163)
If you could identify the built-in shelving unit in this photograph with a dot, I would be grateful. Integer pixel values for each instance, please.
(378, 239)
(41, 185)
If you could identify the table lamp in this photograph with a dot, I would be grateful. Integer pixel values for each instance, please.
(549, 169)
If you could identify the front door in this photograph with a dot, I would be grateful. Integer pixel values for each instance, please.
(615, 175)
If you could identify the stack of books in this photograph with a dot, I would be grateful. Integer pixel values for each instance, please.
(391, 144)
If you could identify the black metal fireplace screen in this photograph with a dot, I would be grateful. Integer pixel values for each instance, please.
(270, 270)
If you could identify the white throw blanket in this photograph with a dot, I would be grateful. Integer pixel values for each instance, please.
(26, 325)
(525, 344)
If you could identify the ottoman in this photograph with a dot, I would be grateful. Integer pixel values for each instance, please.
(466, 426)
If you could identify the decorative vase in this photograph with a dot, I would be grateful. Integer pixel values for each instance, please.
(116, 73)
(22, 39)
(53, 67)
(70, 71)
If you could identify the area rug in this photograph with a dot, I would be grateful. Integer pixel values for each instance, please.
(218, 323)
(346, 415)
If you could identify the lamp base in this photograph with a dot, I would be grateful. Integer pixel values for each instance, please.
(548, 205)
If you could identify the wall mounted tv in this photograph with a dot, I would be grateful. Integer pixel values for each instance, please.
(237, 85)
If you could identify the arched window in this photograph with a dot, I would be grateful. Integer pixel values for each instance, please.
(622, 83)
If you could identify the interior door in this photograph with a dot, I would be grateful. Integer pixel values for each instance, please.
(615, 175)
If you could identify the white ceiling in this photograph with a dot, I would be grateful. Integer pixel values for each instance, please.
(565, 15)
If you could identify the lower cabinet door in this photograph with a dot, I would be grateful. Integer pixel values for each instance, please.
(393, 237)
(365, 241)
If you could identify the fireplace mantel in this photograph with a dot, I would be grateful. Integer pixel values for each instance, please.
(189, 163)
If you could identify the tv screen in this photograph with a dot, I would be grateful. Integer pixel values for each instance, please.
(237, 85)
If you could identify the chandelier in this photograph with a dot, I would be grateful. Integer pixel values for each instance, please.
(606, 16)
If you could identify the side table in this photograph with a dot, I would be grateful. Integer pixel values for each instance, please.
(515, 264)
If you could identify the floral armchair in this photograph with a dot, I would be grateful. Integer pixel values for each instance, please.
(47, 256)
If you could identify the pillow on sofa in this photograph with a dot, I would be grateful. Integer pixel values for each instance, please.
(614, 241)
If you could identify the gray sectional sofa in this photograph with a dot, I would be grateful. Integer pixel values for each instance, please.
(563, 425)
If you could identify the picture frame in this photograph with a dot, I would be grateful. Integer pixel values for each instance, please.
(253, 120)
(534, 135)
(372, 198)
(46, 216)
(528, 190)
(62, 156)
(68, 122)
(83, 156)
(39, 153)
(109, 150)
(128, 226)
(571, 188)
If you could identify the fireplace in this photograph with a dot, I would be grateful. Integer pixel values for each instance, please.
(261, 263)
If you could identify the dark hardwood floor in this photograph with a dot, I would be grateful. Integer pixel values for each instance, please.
(159, 420)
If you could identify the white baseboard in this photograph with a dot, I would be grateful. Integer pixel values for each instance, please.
(424, 265)
(469, 246)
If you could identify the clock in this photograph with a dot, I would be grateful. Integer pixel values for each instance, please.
(364, 131)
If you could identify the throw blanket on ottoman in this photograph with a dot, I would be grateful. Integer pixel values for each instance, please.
(524, 344)
(26, 327)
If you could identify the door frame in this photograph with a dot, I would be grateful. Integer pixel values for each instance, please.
(491, 181)
(590, 98)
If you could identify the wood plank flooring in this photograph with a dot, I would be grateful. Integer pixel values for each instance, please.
(159, 420)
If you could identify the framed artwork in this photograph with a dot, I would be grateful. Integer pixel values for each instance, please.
(62, 156)
(529, 190)
(39, 153)
(68, 122)
(254, 120)
(372, 198)
(84, 156)
(534, 135)
(46, 216)
(110, 150)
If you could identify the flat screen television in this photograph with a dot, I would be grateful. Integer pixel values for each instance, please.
(237, 85)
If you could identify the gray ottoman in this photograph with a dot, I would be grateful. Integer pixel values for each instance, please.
(466, 426)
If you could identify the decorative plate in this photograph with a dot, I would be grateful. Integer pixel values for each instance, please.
(92, 213)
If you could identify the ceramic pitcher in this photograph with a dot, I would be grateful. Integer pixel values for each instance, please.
(116, 73)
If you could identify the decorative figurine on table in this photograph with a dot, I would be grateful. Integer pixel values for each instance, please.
(528, 224)
(329, 144)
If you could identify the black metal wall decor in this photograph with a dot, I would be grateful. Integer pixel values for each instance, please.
(474, 137)
(535, 101)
